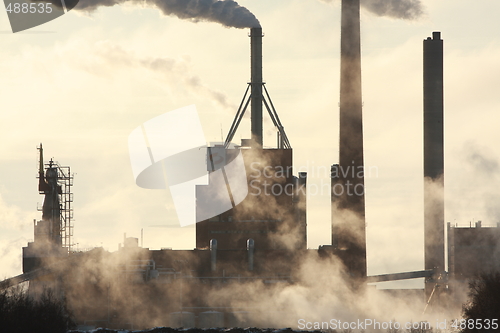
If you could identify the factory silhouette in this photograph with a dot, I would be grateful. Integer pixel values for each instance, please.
(263, 239)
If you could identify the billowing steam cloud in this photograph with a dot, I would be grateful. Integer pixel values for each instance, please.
(400, 9)
(228, 13)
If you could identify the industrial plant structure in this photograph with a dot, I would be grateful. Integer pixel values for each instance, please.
(472, 250)
(260, 239)
(272, 216)
(264, 237)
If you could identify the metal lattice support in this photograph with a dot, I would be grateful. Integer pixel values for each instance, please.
(65, 179)
(268, 103)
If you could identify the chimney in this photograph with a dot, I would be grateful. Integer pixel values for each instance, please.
(348, 198)
(256, 85)
(259, 96)
(433, 156)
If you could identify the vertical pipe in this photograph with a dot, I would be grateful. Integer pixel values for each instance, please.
(335, 185)
(348, 198)
(41, 172)
(250, 250)
(301, 209)
(433, 156)
(213, 255)
(451, 251)
(256, 85)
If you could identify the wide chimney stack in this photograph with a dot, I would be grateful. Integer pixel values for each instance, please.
(256, 85)
(433, 157)
(348, 198)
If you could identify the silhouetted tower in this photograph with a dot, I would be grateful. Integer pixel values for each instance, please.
(51, 211)
(256, 85)
(348, 198)
(433, 156)
(53, 233)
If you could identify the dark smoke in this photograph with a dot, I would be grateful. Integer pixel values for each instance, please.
(403, 9)
(227, 12)
(400, 9)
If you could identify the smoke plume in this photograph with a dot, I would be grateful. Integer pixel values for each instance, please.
(228, 13)
(399, 9)
(172, 70)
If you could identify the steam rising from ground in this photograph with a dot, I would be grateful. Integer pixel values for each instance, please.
(321, 293)
(104, 286)
(228, 13)
(399, 9)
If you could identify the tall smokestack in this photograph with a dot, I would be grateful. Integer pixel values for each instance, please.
(256, 85)
(433, 156)
(348, 198)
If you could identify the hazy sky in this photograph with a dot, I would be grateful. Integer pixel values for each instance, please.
(81, 83)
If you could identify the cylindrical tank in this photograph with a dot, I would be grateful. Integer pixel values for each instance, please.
(213, 255)
(251, 250)
(211, 319)
(182, 319)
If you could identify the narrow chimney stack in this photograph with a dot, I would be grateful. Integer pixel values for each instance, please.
(256, 86)
(348, 197)
(433, 157)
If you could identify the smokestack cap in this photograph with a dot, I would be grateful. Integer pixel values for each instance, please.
(256, 32)
(436, 35)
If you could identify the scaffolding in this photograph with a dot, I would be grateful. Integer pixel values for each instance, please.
(65, 181)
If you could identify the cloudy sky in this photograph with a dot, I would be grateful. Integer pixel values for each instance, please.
(81, 83)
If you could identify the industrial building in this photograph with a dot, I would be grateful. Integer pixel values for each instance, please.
(471, 251)
(275, 207)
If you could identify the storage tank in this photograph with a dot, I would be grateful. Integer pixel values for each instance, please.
(182, 319)
(211, 319)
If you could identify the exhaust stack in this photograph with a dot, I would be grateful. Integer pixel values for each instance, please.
(256, 86)
(348, 198)
(433, 157)
(258, 98)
